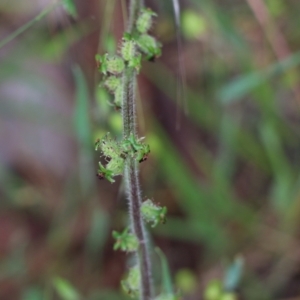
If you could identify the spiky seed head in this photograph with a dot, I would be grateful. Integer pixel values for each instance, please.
(149, 46)
(153, 213)
(112, 83)
(128, 49)
(145, 20)
(114, 64)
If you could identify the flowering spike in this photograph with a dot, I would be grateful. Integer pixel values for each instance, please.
(119, 74)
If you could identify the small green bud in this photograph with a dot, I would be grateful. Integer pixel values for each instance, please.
(105, 173)
(115, 64)
(128, 49)
(129, 52)
(110, 64)
(112, 83)
(125, 241)
(116, 165)
(131, 285)
(136, 148)
(131, 144)
(153, 213)
(112, 150)
(145, 20)
(149, 46)
(110, 147)
(136, 62)
(143, 153)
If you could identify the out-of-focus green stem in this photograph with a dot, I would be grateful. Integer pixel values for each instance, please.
(27, 25)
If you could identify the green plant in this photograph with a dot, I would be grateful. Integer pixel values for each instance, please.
(119, 73)
(227, 182)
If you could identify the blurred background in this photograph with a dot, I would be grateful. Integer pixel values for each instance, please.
(220, 110)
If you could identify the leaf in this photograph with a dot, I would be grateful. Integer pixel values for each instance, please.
(65, 290)
(82, 125)
(98, 233)
(33, 293)
(233, 274)
(167, 286)
(243, 85)
(70, 8)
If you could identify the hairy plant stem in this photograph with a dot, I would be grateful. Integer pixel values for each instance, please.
(137, 227)
(131, 168)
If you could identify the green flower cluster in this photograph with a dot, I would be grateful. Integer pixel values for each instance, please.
(113, 153)
(116, 153)
(134, 47)
(125, 241)
(135, 148)
(146, 43)
(153, 213)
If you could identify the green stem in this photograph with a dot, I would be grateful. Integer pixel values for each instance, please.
(27, 25)
(131, 168)
(138, 228)
(129, 89)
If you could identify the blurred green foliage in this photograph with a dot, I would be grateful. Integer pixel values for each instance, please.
(229, 175)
